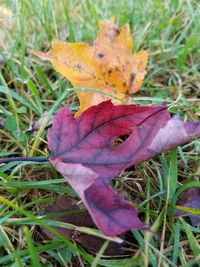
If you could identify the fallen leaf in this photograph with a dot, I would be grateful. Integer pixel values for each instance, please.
(79, 218)
(107, 64)
(83, 152)
(190, 198)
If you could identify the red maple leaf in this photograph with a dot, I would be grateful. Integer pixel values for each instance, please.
(83, 152)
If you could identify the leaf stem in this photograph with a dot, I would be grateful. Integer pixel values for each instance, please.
(6, 160)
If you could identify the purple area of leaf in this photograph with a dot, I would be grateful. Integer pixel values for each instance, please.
(76, 216)
(83, 151)
(190, 198)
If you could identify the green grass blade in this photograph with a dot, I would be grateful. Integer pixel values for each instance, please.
(176, 246)
(68, 21)
(31, 248)
(36, 95)
(173, 170)
(194, 245)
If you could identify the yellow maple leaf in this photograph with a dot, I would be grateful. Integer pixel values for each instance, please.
(107, 64)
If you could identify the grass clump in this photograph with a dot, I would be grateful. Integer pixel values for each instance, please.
(31, 92)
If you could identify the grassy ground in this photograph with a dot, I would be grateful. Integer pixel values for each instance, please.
(31, 89)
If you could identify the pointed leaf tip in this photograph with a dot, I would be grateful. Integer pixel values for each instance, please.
(43, 56)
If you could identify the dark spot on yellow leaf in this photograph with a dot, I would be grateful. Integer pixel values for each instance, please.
(116, 31)
(100, 55)
(132, 78)
(112, 33)
(78, 66)
(110, 71)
